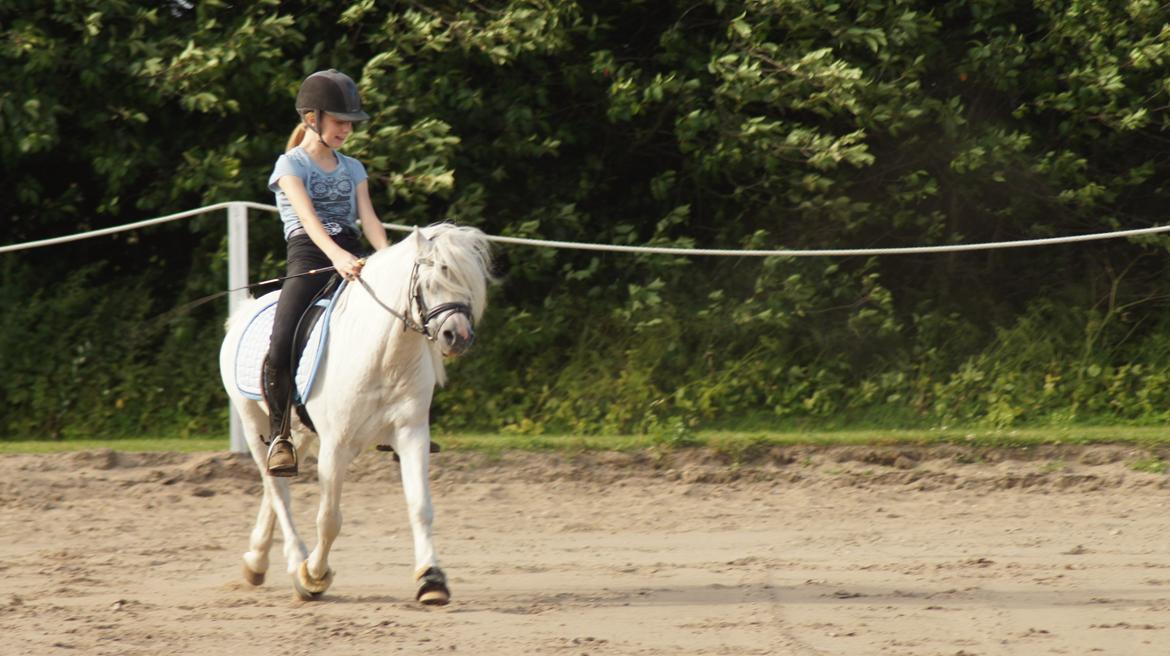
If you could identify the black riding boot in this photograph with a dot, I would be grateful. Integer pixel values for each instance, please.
(282, 456)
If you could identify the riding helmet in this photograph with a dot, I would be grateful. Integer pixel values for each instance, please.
(331, 91)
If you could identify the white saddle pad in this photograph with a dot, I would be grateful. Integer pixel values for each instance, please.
(253, 348)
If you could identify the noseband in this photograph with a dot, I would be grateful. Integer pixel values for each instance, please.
(420, 304)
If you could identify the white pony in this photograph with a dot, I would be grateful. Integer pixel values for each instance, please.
(417, 301)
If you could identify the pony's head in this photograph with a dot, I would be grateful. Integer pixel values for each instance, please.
(454, 269)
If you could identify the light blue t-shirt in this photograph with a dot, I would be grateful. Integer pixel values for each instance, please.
(334, 194)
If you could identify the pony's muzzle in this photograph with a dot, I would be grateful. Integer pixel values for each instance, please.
(456, 335)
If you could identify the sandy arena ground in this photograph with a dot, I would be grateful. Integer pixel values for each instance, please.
(945, 551)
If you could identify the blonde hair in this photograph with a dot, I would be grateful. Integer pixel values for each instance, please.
(298, 133)
(294, 139)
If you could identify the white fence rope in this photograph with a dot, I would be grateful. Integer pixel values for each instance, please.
(666, 250)
(238, 254)
(129, 226)
(655, 250)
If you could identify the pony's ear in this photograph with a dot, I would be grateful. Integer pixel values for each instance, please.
(422, 245)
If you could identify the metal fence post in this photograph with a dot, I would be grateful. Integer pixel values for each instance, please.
(237, 277)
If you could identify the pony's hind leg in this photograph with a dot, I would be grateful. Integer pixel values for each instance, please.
(256, 558)
(278, 494)
(275, 505)
(255, 565)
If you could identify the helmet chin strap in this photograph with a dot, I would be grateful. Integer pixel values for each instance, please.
(317, 114)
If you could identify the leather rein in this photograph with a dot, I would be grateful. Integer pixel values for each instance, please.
(427, 315)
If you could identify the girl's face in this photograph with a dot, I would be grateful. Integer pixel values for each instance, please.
(335, 131)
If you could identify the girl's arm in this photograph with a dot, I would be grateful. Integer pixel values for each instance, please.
(343, 261)
(371, 224)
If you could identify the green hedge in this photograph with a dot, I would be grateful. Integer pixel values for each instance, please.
(750, 124)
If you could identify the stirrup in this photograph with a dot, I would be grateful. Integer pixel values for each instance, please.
(283, 470)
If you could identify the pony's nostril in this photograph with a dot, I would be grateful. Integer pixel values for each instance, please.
(449, 336)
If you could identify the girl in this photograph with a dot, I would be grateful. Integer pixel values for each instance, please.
(321, 194)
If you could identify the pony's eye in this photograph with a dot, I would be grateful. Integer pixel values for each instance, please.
(443, 269)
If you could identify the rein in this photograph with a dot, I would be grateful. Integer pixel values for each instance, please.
(427, 315)
(407, 321)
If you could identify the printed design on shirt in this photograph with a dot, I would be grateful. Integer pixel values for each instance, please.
(331, 196)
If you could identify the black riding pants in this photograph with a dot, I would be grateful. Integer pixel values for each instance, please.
(297, 293)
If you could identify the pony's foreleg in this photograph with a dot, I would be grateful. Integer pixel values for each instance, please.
(413, 448)
(315, 575)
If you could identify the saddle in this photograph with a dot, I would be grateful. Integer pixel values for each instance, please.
(308, 346)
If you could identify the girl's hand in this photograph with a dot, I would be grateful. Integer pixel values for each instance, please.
(347, 265)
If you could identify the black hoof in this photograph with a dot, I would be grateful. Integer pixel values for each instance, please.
(435, 448)
(432, 588)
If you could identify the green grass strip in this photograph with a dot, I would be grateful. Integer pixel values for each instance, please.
(722, 440)
(179, 444)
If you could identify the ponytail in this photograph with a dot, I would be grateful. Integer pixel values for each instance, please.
(294, 139)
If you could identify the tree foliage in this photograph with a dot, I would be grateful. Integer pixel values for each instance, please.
(717, 123)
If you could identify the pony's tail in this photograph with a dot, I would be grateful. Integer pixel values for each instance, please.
(294, 139)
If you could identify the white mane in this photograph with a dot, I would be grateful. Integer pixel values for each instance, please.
(463, 263)
(459, 270)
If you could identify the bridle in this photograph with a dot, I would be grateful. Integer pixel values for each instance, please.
(417, 302)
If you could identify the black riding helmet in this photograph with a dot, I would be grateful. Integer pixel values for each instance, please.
(330, 91)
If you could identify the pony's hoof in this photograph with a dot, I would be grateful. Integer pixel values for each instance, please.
(254, 578)
(309, 588)
(432, 588)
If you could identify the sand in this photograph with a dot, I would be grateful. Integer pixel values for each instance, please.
(798, 551)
